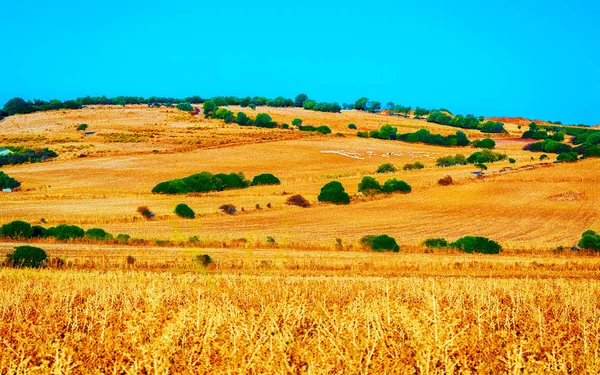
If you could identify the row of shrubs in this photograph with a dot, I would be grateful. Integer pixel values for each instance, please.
(389, 168)
(389, 132)
(205, 182)
(586, 141)
(334, 191)
(466, 122)
(468, 244)
(23, 230)
(21, 155)
(478, 157)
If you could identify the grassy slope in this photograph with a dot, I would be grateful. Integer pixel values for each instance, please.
(105, 188)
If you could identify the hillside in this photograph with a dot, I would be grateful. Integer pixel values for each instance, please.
(100, 179)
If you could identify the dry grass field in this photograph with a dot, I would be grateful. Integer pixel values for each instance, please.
(314, 301)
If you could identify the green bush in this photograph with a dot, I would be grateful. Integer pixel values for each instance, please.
(297, 122)
(590, 240)
(416, 165)
(265, 179)
(386, 168)
(363, 134)
(263, 120)
(183, 210)
(392, 185)
(123, 238)
(381, 242)
(27, 256)
(334, 192)
(511, 161)
(98, 234)
(368, 185)
(185, 107)
(65, 232)
(485, 156)
(352, 126)
(82, 127)
(450, 160)
(470, 244)
(201, 183)
(203, 260)
(484, 143)
(17, 230)
(436, 243)
(567, 157)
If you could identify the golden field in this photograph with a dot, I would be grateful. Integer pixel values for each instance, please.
(314, 301)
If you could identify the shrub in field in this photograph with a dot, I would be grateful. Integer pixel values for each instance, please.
(123, 238)
(450, 160)
(39, 231)
(386, 168)
(297, 122)
(263, 120)
(183, 210)
(352, 126)
(363, 134)
(265, 179)
(484, 143)
(297, 200)
(368, 185)
(381, 242)
(82, 127)
(445, 181)
(512, 161)
(415, 165)
(567, 157)
(65, 232)
(590, 240)
(27, 256)
(436, 243)
(97, 234)
(202, 182)
(203, 260)
(17, 230)
(229, 209)
(187, 107)
(470, 244)
(145, 212)
(485, 156)
(394, 185)
(334, 192)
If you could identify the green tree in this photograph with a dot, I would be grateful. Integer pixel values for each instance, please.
(368, 185)
(17, 230)
(184, 211)
(263, 120)
(381, 242)
(334, 192)
(27, 256)
(470, 244)
(386, 168)
(265, 179)
(392, 185)
(300, 99)
(361, 104)
(18, 106)
(187, 107)
(209, 107)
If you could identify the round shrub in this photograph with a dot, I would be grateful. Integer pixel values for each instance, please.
(27, 256)
(265, 179)
(65, 232)
(17, 230)
(97, 234)
(381, 242)
(334, 192)
(386, 168)
(484, 143)
(123, 238)
(297, 122)
(470, 244)
(183, 210)
(445, 181)
(567, 157)
(187, 107)
(352, 126)
(297, 200)
(393, 185)
(369, 185)
(590, 240)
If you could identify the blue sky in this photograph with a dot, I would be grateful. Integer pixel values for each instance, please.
(536, 59)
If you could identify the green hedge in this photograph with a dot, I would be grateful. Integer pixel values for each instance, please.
(381, 242)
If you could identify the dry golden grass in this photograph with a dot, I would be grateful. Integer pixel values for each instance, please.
(136, 322)
(105, 188)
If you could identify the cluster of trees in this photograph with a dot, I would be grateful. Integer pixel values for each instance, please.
(538, 132)
(478, 157)
(466, 122)
(20, 155)
(364, 104)
(7, 182)
(468, 244)
(321, 129)
(21, 230)
(322, 107)
(205, 182)
(590, 240)
(421, 135)
(17, 106)
(415, 165)
(381, 242)
(586, 141)
(370, 186)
